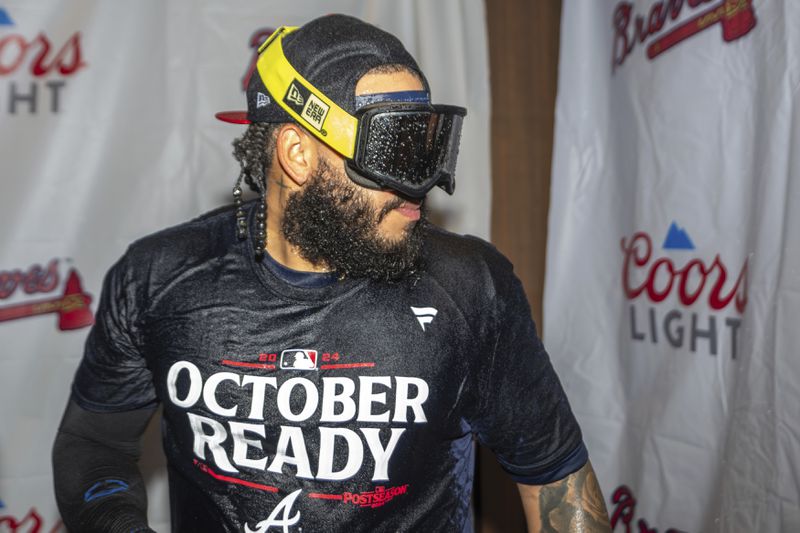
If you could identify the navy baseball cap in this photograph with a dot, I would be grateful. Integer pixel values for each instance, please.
(333, 53)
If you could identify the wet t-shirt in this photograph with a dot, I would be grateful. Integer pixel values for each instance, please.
(338, 405)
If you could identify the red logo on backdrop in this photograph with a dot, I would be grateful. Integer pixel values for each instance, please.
(623, 513)
(256, 40)
(712, 295)
(715, 275)
(735, 17)
(70, 305)
(30, 523)
(39, 57)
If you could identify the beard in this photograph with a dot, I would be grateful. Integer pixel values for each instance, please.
(333, 224)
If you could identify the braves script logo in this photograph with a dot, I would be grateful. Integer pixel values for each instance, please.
(284, 510)
(736, 17)
(695, 284)
(40, 57)
(624, 511)
(71, 306)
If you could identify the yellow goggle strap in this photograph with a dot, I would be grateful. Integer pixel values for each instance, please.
(305, 103)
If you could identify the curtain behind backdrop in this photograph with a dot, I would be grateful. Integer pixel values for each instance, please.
(107, 134)
(672, 293)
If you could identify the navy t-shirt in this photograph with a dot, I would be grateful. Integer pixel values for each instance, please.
(339, 406)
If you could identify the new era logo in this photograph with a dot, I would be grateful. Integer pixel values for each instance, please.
(315, 111)
(310, 107)
(424, 315)
(298, 359)
(295, 96)
(262, 100)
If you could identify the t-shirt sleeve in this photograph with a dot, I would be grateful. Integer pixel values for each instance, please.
(113, 374)
(523, 414)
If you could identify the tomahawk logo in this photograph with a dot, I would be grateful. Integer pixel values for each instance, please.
(284, 508)
(665, 26)
(72, 306)
(295, 96)
(424, 315)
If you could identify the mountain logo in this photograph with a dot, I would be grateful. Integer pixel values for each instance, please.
(5, 20)
(677, 239)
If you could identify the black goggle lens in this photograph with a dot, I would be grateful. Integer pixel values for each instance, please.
(410, 150)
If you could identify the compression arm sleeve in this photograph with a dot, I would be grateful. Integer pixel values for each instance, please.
(97, 483)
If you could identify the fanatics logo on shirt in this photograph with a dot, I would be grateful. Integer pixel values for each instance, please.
(298, 360)
(425, 315)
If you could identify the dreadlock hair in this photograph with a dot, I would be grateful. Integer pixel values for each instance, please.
(254, 151)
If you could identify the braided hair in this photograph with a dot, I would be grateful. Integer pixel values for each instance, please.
(254, 151)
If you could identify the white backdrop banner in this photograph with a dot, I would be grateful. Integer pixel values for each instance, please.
(673, 273)
(107, 133)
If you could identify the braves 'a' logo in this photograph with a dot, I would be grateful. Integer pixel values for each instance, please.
(284, 510)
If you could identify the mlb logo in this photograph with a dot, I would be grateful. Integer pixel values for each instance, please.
(298, 360)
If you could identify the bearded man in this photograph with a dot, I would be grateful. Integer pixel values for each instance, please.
(324, 357)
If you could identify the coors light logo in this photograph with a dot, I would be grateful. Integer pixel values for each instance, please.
(661, 30)
(679, 298)
(38, 67)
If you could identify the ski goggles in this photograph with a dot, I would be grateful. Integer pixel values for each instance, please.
(407, 147)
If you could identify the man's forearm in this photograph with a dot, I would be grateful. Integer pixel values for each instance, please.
(573, 504)
(98, 486)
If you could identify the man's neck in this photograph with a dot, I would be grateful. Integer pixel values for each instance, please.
(287, 254)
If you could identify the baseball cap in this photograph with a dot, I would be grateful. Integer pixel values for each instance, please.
(332, 52)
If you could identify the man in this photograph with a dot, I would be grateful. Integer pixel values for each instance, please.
(324, 357)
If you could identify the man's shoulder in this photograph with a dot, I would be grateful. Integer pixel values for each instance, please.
(208, 233)
(151, 262)
(446, 251)
(461, 262)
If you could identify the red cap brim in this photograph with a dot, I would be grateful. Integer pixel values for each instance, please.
(233, 117)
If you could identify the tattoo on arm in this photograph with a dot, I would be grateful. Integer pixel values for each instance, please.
(574, 504)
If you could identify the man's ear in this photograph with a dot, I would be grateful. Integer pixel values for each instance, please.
(297, 153)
